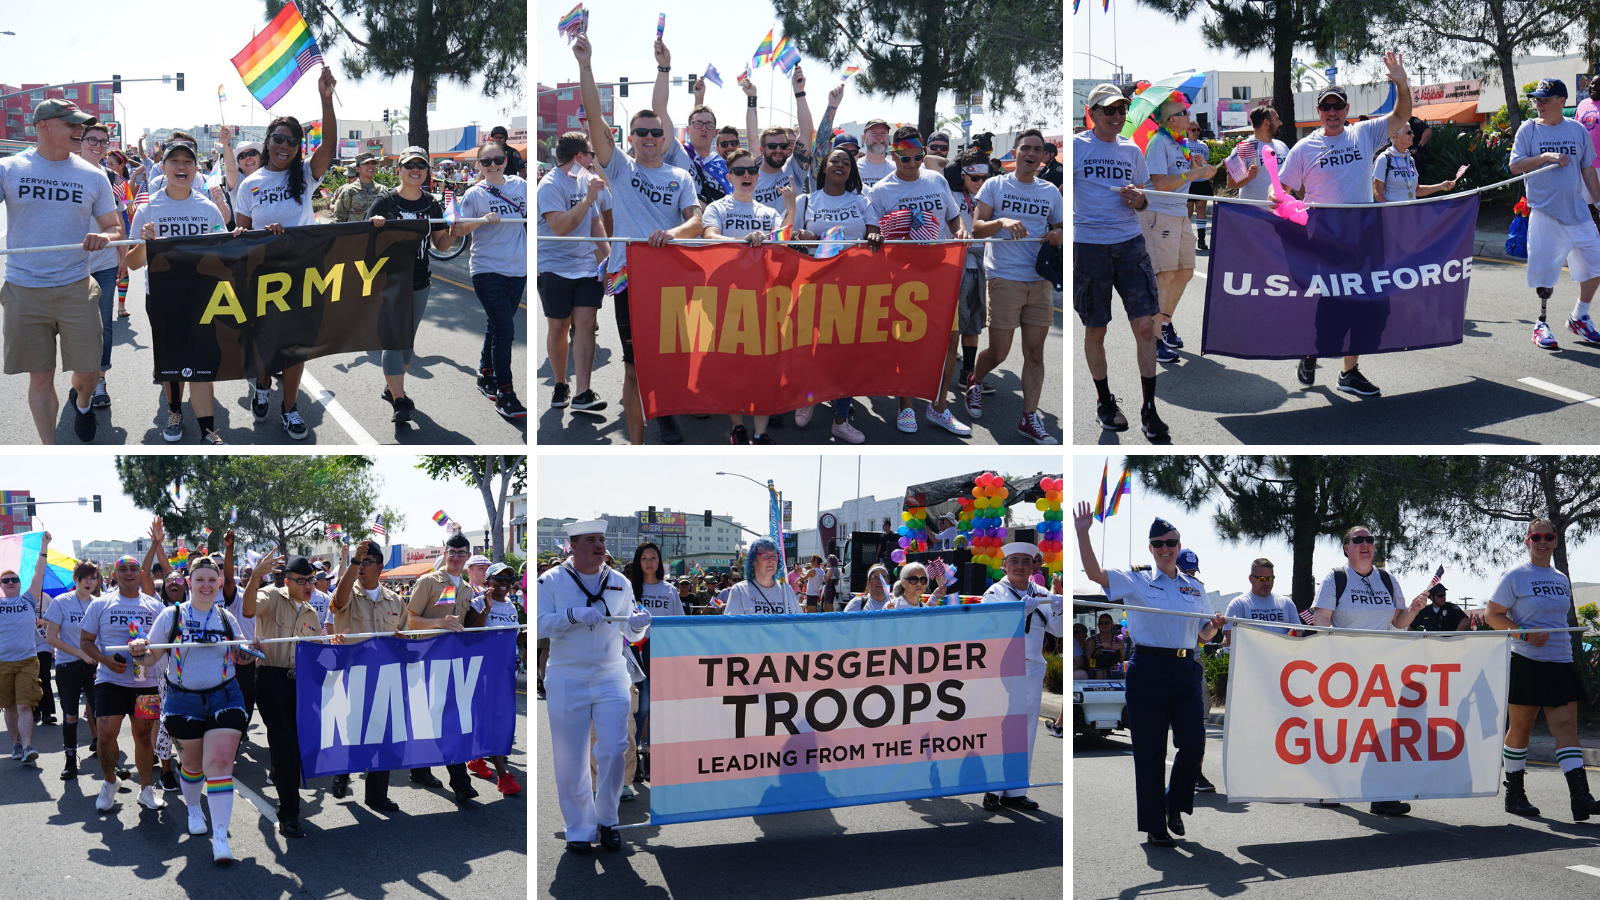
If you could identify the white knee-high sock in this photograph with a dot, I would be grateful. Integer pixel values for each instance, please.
(193, 785)
(1570, 758)
(219, 797)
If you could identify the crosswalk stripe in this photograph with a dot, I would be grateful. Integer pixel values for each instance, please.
(324, 397)
(267, 810)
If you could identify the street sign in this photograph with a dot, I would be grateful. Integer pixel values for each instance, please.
(961, 109)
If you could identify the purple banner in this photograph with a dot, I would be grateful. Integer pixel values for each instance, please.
(1349, 281)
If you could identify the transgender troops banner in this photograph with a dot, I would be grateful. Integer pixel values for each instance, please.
(1364, 717)
(751, 715)
(1350, 281)
(391, 703)
(735, 329)
(226, 308)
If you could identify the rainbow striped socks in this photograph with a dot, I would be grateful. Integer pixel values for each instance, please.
(190, 783)
(219, 797)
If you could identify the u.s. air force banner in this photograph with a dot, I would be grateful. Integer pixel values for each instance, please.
(1359, 717)
(390, 703)
(733, 328)
(1349, 281)
(751, 715)
(227, 308)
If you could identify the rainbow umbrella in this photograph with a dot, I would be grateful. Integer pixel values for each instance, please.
(21, 552)
(1141, 124)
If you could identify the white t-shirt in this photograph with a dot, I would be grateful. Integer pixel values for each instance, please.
(195, 214)
(930, 193)
(1559, 193)
(817, 212)
(871, 172)
(1271, 608)
(647, 200)
(501, 249)
(750, 599)
(50, 202)
(200, 667)
(1336, 169)
(1037, 205)
(559, 192)
(1537, 597)
(967, 205)
(1165, 156)
(867, 603)
(265, 198)
(109, 619)
(736, 219)
(67, 612)
(1099, 170)
(770, 184)
(1398, 173)
(1366, 602)
(1259, 187)
(661, 599)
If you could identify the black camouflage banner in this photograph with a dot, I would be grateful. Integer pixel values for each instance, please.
(225, 308)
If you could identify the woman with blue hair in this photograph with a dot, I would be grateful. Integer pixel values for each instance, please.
(761, 593)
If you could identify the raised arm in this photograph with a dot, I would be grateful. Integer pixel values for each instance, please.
(599, 134)
(36, 586)
(153, 557)
(660, 96)
(752, 122)
(323, 158)
(1081, 521)
(229, 584)
(1402, 91)
(807, 128)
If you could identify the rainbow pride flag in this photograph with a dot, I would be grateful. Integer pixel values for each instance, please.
(440, 518)
(849, 71)
(448, 598)
(763, 52)
(276, 58)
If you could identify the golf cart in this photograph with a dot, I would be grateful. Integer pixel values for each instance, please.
(1099, 705)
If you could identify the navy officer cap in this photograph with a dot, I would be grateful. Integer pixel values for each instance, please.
(1160, 526)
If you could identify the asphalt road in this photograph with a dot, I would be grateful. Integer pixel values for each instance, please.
(874, 416)
(1446, 849)
(1495, 387)
(339, 395)
(428, 849)
(940, 849)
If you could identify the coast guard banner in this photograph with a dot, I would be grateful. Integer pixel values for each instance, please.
(1349, 281)
(733, 328)
(390, 703)
(752, 715)
(228, 307)
(1364, 717)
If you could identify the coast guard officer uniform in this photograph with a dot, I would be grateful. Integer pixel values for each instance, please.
(1042, 611)
(587, 684)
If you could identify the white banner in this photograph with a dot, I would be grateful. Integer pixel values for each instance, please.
(1354, 718)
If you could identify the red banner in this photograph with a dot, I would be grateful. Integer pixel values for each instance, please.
(761, 331)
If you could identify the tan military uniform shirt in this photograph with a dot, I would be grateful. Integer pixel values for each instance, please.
(277, 616)
(429, 591)
(353, 201)
(363, 615)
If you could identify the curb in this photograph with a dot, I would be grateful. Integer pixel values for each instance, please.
(1050, 708)
(1490, 245)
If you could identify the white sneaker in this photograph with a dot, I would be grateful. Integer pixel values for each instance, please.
(149, 799)
(802, 416)
(906, 421)
(220, 851)
(197, 822)
(108, 796)
(947, 421)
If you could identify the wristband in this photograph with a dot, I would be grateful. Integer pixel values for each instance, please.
(663, 68)
(799, 94)
(752, 103)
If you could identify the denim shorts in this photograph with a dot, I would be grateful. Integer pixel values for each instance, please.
(188, 715)
(1125, 266)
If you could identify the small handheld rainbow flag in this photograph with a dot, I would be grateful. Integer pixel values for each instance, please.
(786, 233)
(571, 23)
(441, 519)
(275, 59)
(617, 282)
(661, 25)
(447, 598)
(222, 96)
(205, 532)
(848, 72)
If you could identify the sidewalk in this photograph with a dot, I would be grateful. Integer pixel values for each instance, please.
(1492, 245)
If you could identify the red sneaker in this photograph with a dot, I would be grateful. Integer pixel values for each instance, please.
(508, 785)
(481, 769)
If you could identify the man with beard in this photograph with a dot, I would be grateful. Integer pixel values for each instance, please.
(877, 164)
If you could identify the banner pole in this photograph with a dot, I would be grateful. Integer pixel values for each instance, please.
(1301, 626)
(322, 637)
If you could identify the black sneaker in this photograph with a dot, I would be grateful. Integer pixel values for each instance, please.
(169, 780)
(260, 399)
(562, 396)
(1353, 382)
(588, 401)
(402, 410)
(1170, 337)
(84, 423)
(670, 433)
(71, 770)
(1307, 371)
(1203, 785)
(1150, 423)
(387, 397)
(509, 407)
(739, 435)
(487, 386)
(294, 425)
(1110, 415)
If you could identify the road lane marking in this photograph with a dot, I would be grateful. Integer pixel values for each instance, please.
(468, 287)
(1560, 391)
(267, 810)
(1587, 870)
(325, 399)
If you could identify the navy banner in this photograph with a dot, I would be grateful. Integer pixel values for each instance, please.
(390, 703)
(1349, 281)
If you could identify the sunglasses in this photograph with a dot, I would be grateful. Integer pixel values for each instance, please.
(487, 161)
(744, 170)
(648, 132)
(777, 146)
(1331, 107)
(918, 158)
(939, 148)
(1167, 543)
(914, 579)
(1362, 539)
(976, 177)
(282, 138)
(1541, 536)
(250, 154)
(10, 580)
(1264, 578)
(731, 142)
(416, 166)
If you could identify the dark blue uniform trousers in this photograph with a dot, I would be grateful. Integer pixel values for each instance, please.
(1164, 692)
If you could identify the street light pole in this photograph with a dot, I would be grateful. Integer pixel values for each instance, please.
(767, 487)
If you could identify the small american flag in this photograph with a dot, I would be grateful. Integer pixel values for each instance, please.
(1307, 617)
(307, 58)
(910, 224)
(141, 198)
(452, 211)
(936, 570)
(1437, 576)
(1247, 150)
(377, 527)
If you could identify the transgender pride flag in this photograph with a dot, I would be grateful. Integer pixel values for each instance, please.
(860, 708)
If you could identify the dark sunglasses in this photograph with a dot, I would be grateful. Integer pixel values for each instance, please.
(648, 132)
(249, 153)
(1264, 577)
(939, 148)
(1331, 107)
(282, 138)
(1167, 543)
(976, 177)
(851, 152)
(914, 579)
(416, 165)
(744, 170)
(491, 160)
(777, 146)
(1362, 539)
(732, 142)
(10, 580)
(918, 158)
(1541, 535)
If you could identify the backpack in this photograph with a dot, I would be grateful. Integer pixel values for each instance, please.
(1340, 580)
(177, 619)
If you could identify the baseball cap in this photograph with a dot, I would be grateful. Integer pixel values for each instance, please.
(174, 146)
(500, 569)
(251, 145)
(1333, 90)
(939, 136)
(1104, 94)
(411, 153)
(62, 109)
(873, 123)
(478, 559)
(367, 156)
(1188, 561)
(1549, 87)
(844, 140)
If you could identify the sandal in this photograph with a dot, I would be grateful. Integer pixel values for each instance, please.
(122, 311)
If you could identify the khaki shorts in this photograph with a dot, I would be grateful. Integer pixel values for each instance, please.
(19, 683)
(1170, 240)
(1014, 303)
(33, 317)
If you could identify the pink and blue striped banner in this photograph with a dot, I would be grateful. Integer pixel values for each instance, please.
(753, 715)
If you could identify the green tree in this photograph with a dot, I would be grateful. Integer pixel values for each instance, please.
(1277, 27)
(495, 477)
(1303, 498)
(1483, 36)
(280, 499)
(428, 40)
(922, 47)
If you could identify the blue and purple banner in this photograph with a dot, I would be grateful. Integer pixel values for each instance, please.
(390, 703)
(1350, 281)
(753, 715)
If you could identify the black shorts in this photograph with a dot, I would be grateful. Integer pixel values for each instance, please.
(624, 326)
(1535, 682)
(559, 295)
(118, 700)
(1097, 268)
(1202, 188)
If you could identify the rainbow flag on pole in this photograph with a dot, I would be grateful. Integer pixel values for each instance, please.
(763, 52)
(276, 58)
(1100, 501)
(1124, 486)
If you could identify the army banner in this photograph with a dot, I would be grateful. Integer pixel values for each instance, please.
(225, 308)
(761, 331)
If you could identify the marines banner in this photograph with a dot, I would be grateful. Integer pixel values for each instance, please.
(392, 703)
(752, 715)
(1377, 279)
(1358, 717)
(227, 308)
(737, 329)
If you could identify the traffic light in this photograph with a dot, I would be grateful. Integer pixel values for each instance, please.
(96, 502)
(32, 509)
(386, 117)
(708, 518)
(652, 515)
(690, 79)
(622, 86)
(180, 81)
(116, 84)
